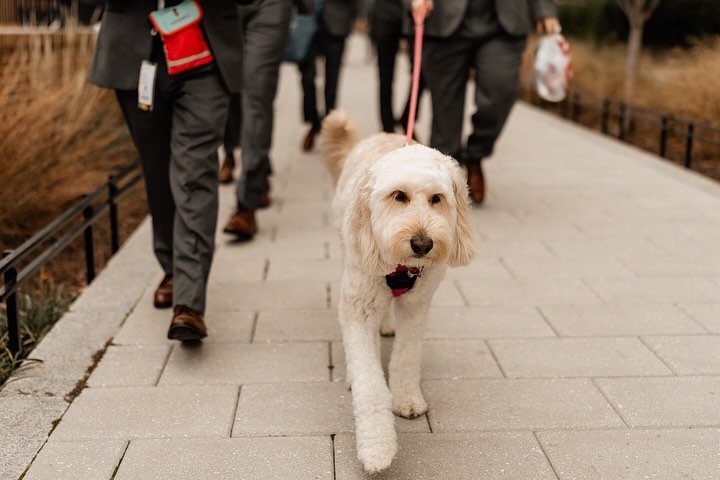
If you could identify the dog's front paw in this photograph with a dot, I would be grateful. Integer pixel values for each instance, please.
(409, 406)
(377, 454)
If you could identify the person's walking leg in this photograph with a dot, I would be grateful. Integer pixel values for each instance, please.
(497, 86)
(334, 48)
(150, 132)
(266, 37)
(308, 72)
(199, 118)
(232, 139)
(387, 49)
(446, 64)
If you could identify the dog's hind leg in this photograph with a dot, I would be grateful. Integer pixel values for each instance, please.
(372, 402)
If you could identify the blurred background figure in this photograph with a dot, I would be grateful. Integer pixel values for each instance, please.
(231, 142)
(489, 37)
(266, 25)
(336, 22)
(386, 19)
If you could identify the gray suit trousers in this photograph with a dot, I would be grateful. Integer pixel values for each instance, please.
(446, 66)
(178, 144)
(266, 36)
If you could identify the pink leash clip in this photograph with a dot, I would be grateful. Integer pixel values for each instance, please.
(419, 16)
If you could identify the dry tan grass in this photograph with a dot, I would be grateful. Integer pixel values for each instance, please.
(59, 136)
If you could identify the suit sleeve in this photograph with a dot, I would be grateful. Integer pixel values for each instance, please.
(543, 8)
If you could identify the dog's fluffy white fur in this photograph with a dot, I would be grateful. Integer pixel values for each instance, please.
(386, 194)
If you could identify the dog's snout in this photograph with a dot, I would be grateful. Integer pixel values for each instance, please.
(421, 244)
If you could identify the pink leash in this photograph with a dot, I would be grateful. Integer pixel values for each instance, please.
(419, 17)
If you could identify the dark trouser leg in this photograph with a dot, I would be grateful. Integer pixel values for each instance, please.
(333, 47)
(498, 62)
(421, 87)
(150, 132)
(446, 64)
(308, 71)
(232, 129)
(387, 48)
(266, 34)
(199, 118)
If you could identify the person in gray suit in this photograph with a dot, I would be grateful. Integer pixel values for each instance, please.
(266, 26)
(177, 141)
(335, 25)
(487, 36)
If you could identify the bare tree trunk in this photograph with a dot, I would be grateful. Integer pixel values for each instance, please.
(633, 59)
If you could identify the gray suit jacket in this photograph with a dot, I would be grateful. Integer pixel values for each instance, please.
(338, 17)
(514, 16)
(124, 42)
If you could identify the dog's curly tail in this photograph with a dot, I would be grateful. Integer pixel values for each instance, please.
(337, 138)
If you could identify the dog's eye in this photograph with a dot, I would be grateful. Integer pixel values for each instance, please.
(401, 197)
(436, 199)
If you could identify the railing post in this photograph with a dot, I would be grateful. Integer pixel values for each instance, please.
(576, 107)
(89, 244)
(622, 120)
(113, 212)
(11, 306)
(663, 135)
(689, 145)
(605, 120)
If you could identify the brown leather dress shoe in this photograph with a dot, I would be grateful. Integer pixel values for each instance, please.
(163, 297)
(242, 224)
(226, 171)
(187, 325)
(476, 182)
(309, 141)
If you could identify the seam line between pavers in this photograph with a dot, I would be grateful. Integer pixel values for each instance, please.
(649, 347)
(331, 367)
(332, 443)
(586, 284)
(122, 457)
(495, 358)
(266, 270)
(253, 329)
(679, 307)
(607, 399)
(546, 319)
(235, 411)
(164, 366)
(507, 268)
(460, 292)
(547, 457)
(427, 418)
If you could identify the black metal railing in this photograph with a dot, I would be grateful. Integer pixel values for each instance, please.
(76, 220)
(673, 137)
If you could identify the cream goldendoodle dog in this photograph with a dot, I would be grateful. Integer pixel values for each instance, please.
(403, 216)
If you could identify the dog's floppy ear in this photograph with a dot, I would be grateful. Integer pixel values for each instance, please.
(360, 233)
(465, 248)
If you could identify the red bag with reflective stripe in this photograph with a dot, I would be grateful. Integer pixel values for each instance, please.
(183, 39)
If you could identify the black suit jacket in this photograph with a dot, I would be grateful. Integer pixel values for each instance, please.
(125, 41)
(385, 16)
(513, 15)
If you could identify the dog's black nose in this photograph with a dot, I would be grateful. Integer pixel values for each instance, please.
(421, 244)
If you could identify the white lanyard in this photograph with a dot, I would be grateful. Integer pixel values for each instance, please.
(161, 4)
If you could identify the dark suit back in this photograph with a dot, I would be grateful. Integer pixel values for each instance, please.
(124, 42)
(338, 17)
(385, 17)
(513, 15)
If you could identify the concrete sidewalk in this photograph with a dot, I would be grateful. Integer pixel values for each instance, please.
(582, 344)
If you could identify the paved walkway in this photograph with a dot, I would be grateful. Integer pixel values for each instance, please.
(582, 344)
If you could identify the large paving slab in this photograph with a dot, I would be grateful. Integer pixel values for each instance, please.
(149, 412)
(89, 460)
(665, 402)
(297, 458)
(527, 404)
(635, 454)
(460, 456)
